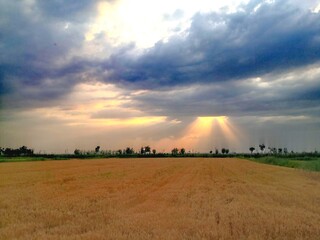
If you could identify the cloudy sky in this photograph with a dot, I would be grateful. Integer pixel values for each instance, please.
(200, 74)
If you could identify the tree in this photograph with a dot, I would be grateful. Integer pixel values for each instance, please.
(175, 151)
(224, 150)
(182, 151)
(76, 152)
(142, 150)
(8, 152)
(129, 150)
(154, 151)
(217, 151)
(22, 151)
(279, 150)
(147, 149)
(252, 149)
(262, 147)
(97, 149)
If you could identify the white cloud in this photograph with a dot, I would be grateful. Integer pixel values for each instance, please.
(143, 21)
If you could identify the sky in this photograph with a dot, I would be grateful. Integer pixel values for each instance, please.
(202, 75)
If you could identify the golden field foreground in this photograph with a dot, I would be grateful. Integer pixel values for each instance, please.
(157, 199)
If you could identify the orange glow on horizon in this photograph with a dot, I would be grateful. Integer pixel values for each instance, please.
(82, 109)
(205, 133)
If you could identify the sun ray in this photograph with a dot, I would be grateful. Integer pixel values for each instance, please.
(208, 132)
(227, 129)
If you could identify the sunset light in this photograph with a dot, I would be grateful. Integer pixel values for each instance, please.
(208, 131)
(148, 119)
(200, 75)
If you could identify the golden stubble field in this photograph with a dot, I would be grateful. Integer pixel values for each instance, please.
(157, 199)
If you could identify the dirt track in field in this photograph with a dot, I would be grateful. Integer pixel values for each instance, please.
(157, 199)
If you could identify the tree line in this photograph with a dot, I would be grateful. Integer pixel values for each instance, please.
(148, 151)
(144, 150)
(11, 152)
(271, 150)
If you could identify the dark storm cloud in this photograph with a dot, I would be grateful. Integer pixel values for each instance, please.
(34, 41)
(291, 93)
(191, 74)
(29, 36)
(210, 70)
(222, 46)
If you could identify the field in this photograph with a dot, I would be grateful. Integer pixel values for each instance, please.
(180, 198)
(303, 162)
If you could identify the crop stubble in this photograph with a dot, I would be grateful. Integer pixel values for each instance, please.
(196, 198)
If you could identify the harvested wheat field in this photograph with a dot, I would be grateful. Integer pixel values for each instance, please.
(157, 199)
